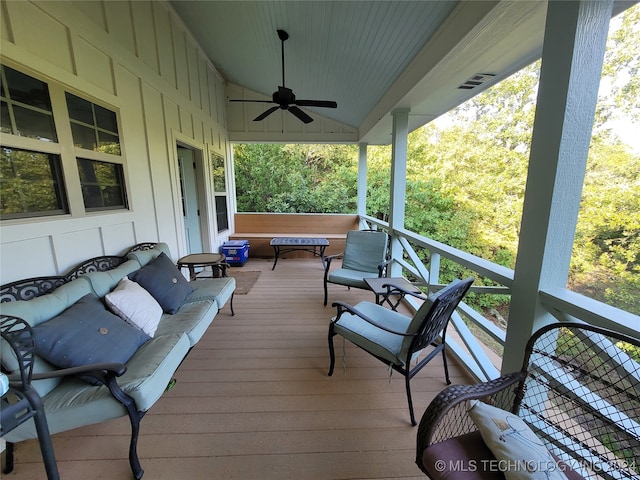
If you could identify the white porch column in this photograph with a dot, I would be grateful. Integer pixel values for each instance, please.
(399, 140)
(572, 56)
(362, 179)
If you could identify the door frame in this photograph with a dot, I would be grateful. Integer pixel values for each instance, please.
(204, 192)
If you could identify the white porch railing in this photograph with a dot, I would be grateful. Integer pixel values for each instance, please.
(563, 304)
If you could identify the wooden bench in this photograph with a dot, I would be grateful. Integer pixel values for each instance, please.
(260, 228)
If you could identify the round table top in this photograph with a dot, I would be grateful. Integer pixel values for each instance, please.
(202, 259)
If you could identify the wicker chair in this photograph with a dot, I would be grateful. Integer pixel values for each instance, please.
(578, 390)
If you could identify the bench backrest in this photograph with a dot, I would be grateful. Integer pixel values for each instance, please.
(281, 223)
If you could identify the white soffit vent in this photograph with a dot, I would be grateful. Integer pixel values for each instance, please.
(476, 80)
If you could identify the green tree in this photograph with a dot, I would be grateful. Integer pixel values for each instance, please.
(296, 178)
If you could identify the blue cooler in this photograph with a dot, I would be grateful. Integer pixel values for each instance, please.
(236, 252)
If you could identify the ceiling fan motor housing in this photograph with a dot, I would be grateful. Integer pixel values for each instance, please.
(284, 97)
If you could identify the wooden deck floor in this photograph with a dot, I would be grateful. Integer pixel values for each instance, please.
(253, 400)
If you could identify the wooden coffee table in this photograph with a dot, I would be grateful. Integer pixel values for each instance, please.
(216, 261)
(383, 289)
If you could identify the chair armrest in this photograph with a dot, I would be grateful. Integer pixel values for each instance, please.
(446, 416)
(344, 307)
(327, 264)
(382, 267)
(328, 259)
(400, 289)
(117, 369)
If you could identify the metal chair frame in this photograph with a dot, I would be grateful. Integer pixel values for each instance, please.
(431, 332)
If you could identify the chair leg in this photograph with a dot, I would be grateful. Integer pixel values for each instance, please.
(8, 458)
(231, 304)
(332, 352)
(325, 292)
(407, 380)
(44, 437)
(444, 361)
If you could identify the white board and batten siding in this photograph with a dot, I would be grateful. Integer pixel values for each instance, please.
(137, 59)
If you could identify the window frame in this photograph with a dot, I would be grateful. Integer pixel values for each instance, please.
(214, 158)
(119, 173)
(68, 153)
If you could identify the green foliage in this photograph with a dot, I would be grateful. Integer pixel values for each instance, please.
(606, 257)
(28, 183)
(296, 178)
(466, 176)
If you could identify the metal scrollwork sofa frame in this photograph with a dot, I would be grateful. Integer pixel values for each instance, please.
(117, 389)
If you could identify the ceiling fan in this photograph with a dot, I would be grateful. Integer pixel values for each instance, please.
(285, 99)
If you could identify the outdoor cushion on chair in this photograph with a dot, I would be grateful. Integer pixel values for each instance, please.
(364, 256)
(396, 339)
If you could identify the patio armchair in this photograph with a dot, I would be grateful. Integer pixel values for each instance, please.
(574, 407)
(19, 401)
(394, 338)
(364, 256)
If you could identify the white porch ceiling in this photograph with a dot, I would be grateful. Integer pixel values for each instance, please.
(371, 57)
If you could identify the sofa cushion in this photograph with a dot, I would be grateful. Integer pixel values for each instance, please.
(87, 333)
(104, 282)
(36, 311)
(146, 256)
(465, 457)
(193, 318)
(75, 403)
(45, 307)
(219, 289)
(135, 305)
(162, 279)
(152, 367)
(512, 441)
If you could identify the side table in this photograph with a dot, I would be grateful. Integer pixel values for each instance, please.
(383, 288)
(216, 261)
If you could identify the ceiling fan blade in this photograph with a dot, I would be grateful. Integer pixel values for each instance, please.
(265, 114)
(300, 114)
(254, 101)
(316, 103)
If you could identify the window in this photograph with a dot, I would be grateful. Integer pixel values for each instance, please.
(221, 213)
(39, 164)
(102, 184)
(94, 127)
(31, 184)
(25, 106)
(220, 191)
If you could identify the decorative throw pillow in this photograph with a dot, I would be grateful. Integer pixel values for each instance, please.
(135, 305)
(87, 333)
(162, 279)
(520, 453)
